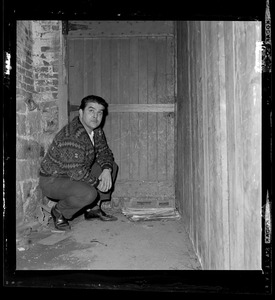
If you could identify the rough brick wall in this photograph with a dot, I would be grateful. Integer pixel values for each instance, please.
(38, 50)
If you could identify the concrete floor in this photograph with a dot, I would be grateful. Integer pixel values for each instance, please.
(120, 245)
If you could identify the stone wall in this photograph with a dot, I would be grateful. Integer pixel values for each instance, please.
(39, 46)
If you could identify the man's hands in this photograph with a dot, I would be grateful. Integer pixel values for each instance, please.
(105, 181)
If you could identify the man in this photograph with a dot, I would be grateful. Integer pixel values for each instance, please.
(78, 170)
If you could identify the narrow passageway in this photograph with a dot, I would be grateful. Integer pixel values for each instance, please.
(184, 125)
(120, 245)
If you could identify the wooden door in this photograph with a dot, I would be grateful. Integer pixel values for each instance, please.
(130, 65)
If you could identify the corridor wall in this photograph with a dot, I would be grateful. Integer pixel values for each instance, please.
(218, 175)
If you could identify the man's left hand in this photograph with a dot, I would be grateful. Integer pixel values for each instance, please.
(105, 181)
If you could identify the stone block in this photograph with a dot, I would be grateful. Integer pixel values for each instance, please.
(41, 82)
(45, 48)
(39, 89)
(22, 85)
(19, 77)
(31, 203)
(31, 104)
(19, 197)
(50, 118)
(55, 68)
(28, 80)
(34, 167)
(41, 76)
(51, 125)
(19, 91)
(19, 203)
(36, 97)
(44, 69)
(22, 170)
(30, 88)
(34, 122)
(21, 124)
(21, 70)
(29, 61)
(55, 27)
(27, 149)
(55, 95)
(27, 169)
(46, 27)
(27, 190)
(29, 74)
(55, 82)
(48, 106)
(45, 141)
(27, 65)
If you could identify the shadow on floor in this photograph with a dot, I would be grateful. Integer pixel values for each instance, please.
(120, 245)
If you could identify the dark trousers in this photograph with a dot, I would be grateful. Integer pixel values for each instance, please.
(72, 195)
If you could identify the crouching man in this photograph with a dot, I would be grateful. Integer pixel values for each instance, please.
(78, 170)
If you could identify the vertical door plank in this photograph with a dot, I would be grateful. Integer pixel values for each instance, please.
(181, 79)
(123, 99)
(114, 98)
(105, 70)
(206, 196)
(196, 143)
(143, 92)
(85, 69)
(161, 119)
(193, 129)
(133, 99)
(223, 159)
(106, 83)
(170, 145)
(189, 141)
(170, 91)
(170, 69)
(96, 67)
(79, 68)
(188, 159)
(201, 215)
(88, 67)
(238, 217)
(214, 189)
(251, 132)
(152, 117)
(210, 102)
(186, 136)
(234, 258)
(217, 204)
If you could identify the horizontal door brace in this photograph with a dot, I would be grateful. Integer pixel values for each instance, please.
(135, 108)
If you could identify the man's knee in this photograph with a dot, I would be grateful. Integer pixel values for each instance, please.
(87, 196)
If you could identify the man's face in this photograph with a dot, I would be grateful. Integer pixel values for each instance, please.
(92, 115)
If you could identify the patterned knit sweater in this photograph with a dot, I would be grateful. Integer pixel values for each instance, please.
(72, 153)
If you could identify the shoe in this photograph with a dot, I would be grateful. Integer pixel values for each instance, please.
(98, 214)
(60, 222)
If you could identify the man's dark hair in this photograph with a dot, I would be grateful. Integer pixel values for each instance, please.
(94, 99)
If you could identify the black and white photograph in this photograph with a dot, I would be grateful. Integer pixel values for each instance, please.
(137, 144)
